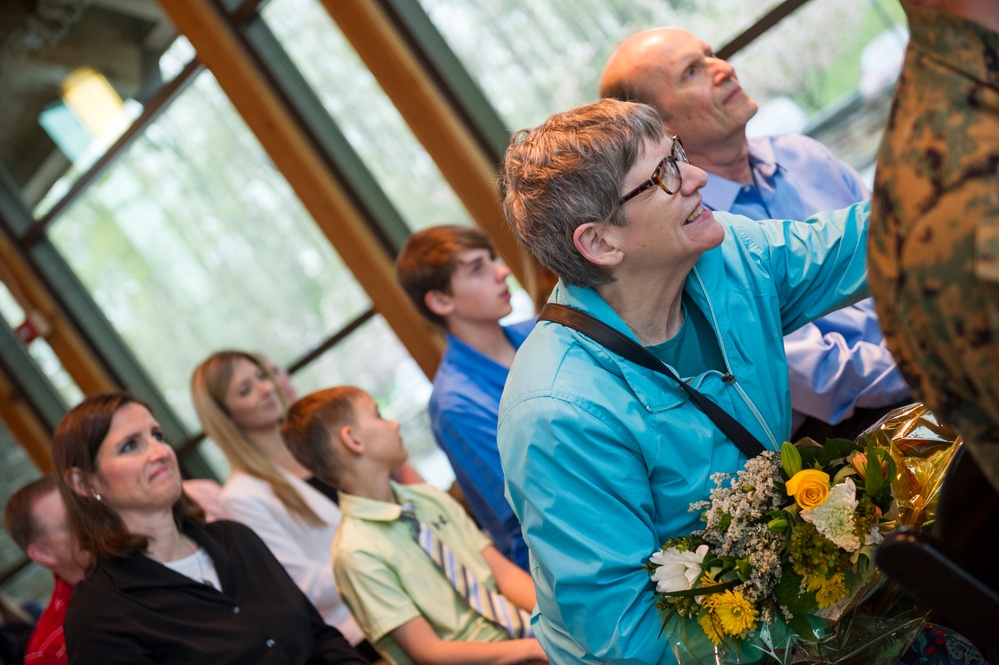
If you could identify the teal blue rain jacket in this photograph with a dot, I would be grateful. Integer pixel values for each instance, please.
(602, 457)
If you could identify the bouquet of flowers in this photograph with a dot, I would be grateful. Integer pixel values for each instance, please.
(788, 551)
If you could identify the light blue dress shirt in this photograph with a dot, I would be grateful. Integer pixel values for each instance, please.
(463, 410)
(840, 362)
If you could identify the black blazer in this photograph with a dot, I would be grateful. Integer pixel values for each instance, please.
(135, 610)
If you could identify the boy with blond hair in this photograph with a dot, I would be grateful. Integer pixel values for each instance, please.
(401, 595)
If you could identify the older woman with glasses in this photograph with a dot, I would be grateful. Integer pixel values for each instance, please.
(603, 196)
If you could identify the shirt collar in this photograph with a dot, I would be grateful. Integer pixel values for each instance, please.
(514, 332)
(721, 193)
(372, 509)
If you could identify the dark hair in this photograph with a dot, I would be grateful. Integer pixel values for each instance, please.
(310, 429)
(98, 528)
(18, 516)
(428, 260)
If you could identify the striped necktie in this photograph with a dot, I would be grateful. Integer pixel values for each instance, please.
(490, 604)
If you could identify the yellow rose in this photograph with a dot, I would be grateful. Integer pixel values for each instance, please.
(809, 487)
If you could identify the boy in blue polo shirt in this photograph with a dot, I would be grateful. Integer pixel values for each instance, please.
(453, 278)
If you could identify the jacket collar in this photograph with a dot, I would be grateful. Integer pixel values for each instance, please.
(140, 572)
(653, 390)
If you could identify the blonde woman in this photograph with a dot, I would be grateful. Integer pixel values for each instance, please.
(241, 408)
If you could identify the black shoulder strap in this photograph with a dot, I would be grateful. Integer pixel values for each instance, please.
(627, 348)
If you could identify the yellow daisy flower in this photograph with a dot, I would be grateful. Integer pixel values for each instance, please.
(734, 612)
(711, 627)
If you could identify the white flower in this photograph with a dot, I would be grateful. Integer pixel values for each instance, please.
(874, 537)
(834, 518)
(676, 570)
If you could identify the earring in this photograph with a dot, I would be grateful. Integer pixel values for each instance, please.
(97, 497)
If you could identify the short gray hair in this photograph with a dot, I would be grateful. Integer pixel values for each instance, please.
(568, 172)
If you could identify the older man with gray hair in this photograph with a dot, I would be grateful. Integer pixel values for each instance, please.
(843, 378)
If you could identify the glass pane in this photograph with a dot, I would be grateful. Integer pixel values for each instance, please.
(216, 459)
(372, 358)
(365, 115)
(39, 349)
(33, 585)
(535, 58)
(193, 242)
(73, 77)
(839, 92)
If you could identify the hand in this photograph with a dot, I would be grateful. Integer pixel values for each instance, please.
(530, 651)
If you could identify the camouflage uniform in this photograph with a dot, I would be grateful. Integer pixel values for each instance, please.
(934, 239)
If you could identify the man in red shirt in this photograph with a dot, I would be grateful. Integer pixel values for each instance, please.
(35, 518)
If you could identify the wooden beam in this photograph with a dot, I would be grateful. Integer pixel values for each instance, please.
(25, 425)
(222, 52)
(59, 332)
(461, 160)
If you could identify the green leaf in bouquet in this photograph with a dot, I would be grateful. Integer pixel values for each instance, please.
(892, 468)
(809, 457)
(875, 477)
(838, 449)
(722, 570)
(885, 497)
(703, 590)
(853, 580)
(743, 569)
(800, 624)
(790, 459)
(800, 605)
(820, 457)
(669, 616)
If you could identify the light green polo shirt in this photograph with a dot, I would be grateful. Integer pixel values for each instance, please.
(387, 579)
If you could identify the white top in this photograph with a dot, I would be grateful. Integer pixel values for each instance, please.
(303, 549)
(199, 567)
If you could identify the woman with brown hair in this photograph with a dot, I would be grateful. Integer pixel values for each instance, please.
(165, 587)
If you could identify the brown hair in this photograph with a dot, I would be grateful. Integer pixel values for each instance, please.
(18, 516)
(97, 527)
(428, 260)
(310, 430)
(209, 385)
